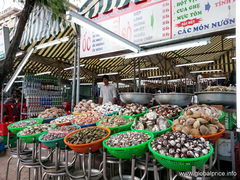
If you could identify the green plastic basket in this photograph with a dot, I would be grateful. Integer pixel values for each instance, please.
(32, 138)
(52, 143)
(156, 133)
(119, 128)
(180, 164)
(16, 130)
(128, 152)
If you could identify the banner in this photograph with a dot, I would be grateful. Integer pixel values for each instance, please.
(159, 20)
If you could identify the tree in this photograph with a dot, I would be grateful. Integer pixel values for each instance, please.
(58, 7)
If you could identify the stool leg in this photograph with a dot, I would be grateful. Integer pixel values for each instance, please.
(120, 169)
(133, 167)
(18, 166)
(89, 165)
(29, 173)
(44, 175)
(104, 164)
(19, 173)
(8, 163)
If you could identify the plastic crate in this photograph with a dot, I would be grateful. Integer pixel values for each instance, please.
(4, 129)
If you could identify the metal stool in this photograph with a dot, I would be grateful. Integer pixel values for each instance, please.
(121, 176)
(147, 165)
(29, 162)
(24, 152)
(88, 173)
(57, 168)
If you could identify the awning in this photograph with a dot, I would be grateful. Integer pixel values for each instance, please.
(94, 7)
(40, 26)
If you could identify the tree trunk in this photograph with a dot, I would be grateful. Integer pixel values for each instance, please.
(6, 66)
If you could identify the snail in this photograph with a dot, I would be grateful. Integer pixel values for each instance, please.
(87, 135)
(84, 106)
(23, 123)
(167, 111)
(107, 108)
(131, 109)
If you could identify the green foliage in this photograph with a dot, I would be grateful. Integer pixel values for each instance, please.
(58, 7)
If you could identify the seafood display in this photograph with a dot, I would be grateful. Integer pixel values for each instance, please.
(87, 135)
(107, 108)
(24, 123)
(113, 121)
(180, 145)
(35, 129)
(63, 119)
(220, 88)
(202, 111)
(131, 109)
(51, 113)
(167, 111)
(199, 120)
(59, 132)
(128, 139)
(151, 122)
(84, 106)
(86, 118)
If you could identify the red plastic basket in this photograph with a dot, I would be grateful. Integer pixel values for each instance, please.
(4, 129)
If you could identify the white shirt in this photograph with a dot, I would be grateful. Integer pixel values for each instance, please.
(108, 93)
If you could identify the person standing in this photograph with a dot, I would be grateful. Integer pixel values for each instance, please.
(107, 92)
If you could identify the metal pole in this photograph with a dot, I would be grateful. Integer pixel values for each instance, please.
(74, 77)
(134, 74)
(139, 76)
(2, 106)
(78, 64)
(21, 108)
(93, 88)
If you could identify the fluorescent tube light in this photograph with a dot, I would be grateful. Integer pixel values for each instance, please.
(230, 37)
(43, 73)
(18, 70)
(112, 73)
(129, 79)
(195, 63)
(107, 58)
(85, 84)
(214, 78)
(149, 68)
(19, 53)
(96, 28)
(52, 43)
(18, 81)
(168, 48)
(216, 70)
(72, 67)
(20, 76)
(151, 77)
(76, 78)
(234, 58)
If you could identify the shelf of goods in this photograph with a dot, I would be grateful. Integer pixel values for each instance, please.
(41, 92)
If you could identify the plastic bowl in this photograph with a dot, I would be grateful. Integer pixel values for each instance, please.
(128, 152)
(52, 143)
(32, 138)
(16, 130)
(156, 133)
(119, 128)
(180, 164)
(84, 148)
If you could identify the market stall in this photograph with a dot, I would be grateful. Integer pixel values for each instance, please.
(162, 125)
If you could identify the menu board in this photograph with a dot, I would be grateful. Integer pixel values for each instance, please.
(158, 20)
